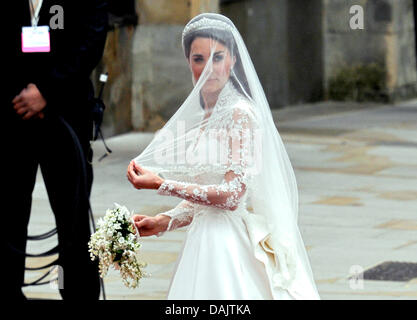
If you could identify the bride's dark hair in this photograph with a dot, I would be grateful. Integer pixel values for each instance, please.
(225, 37)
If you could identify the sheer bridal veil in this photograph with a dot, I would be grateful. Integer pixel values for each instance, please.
(273, 189)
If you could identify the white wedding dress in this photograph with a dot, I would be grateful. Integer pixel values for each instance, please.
(219, 159)
(217, 260)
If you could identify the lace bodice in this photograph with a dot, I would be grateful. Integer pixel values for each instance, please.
(226, 190)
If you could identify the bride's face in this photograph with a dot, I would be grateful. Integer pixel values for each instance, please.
(200, 52)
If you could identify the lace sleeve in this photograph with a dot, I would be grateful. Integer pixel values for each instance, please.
(181, 216)
(227, 194)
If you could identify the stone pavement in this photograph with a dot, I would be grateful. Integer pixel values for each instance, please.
(356, 169)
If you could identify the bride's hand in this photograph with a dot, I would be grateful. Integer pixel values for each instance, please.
(141, 178)
(149, 226)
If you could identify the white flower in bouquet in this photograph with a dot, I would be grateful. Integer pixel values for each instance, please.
(115, 243)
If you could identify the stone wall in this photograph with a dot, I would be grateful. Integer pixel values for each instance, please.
(387, 39)
(284, 39)
(162, 79)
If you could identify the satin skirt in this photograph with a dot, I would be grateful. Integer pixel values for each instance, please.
(216, 262)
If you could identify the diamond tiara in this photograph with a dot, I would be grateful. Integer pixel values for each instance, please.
(206, 23)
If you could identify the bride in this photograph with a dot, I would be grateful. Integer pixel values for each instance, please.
(223, 156)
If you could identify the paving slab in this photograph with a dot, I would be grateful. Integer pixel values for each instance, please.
(356, 169)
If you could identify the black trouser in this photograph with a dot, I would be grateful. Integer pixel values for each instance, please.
(47, 143)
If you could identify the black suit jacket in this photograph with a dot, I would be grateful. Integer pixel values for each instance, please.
(61, 75)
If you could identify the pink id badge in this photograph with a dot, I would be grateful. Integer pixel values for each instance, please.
(36, 39)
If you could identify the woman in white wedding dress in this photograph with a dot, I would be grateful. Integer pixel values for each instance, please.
(220, 150)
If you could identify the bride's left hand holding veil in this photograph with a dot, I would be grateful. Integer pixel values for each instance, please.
(150, 226)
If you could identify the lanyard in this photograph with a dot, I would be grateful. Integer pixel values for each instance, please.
(35, 13)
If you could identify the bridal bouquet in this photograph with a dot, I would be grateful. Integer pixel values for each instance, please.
(115, 243)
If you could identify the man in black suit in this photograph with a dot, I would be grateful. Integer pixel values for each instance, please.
(46, 113)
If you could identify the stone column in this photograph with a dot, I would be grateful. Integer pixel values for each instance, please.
(117, 61)
(199, 6)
